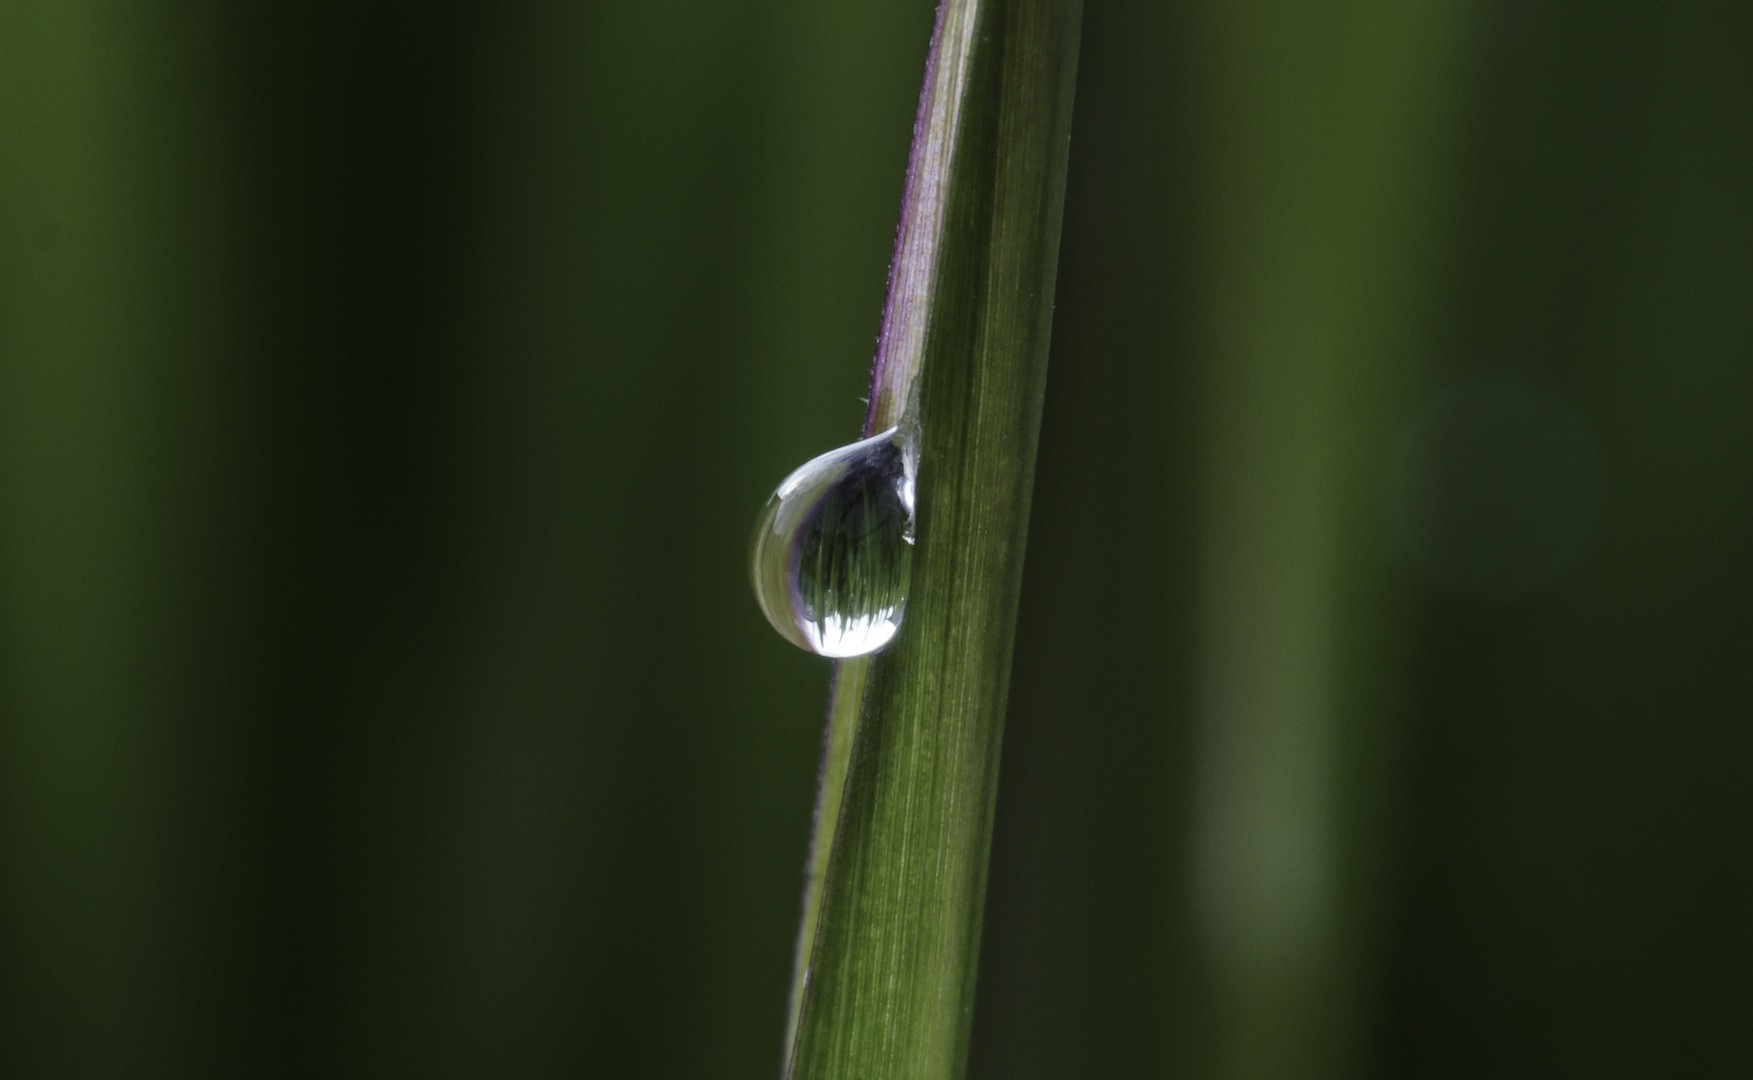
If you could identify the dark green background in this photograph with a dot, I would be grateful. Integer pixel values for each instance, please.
(387, 390)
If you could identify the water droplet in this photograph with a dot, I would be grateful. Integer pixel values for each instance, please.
(834, 549)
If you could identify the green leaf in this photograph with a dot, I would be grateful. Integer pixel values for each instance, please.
(891, 927)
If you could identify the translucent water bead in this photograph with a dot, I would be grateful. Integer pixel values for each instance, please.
(833, 552)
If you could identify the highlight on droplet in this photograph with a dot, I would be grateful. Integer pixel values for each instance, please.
(832, 555)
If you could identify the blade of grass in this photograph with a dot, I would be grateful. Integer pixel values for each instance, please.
(885, 976)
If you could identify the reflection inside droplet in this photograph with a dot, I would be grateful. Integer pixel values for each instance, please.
(833, 552)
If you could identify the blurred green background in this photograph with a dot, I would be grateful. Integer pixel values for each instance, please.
(387, 390)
